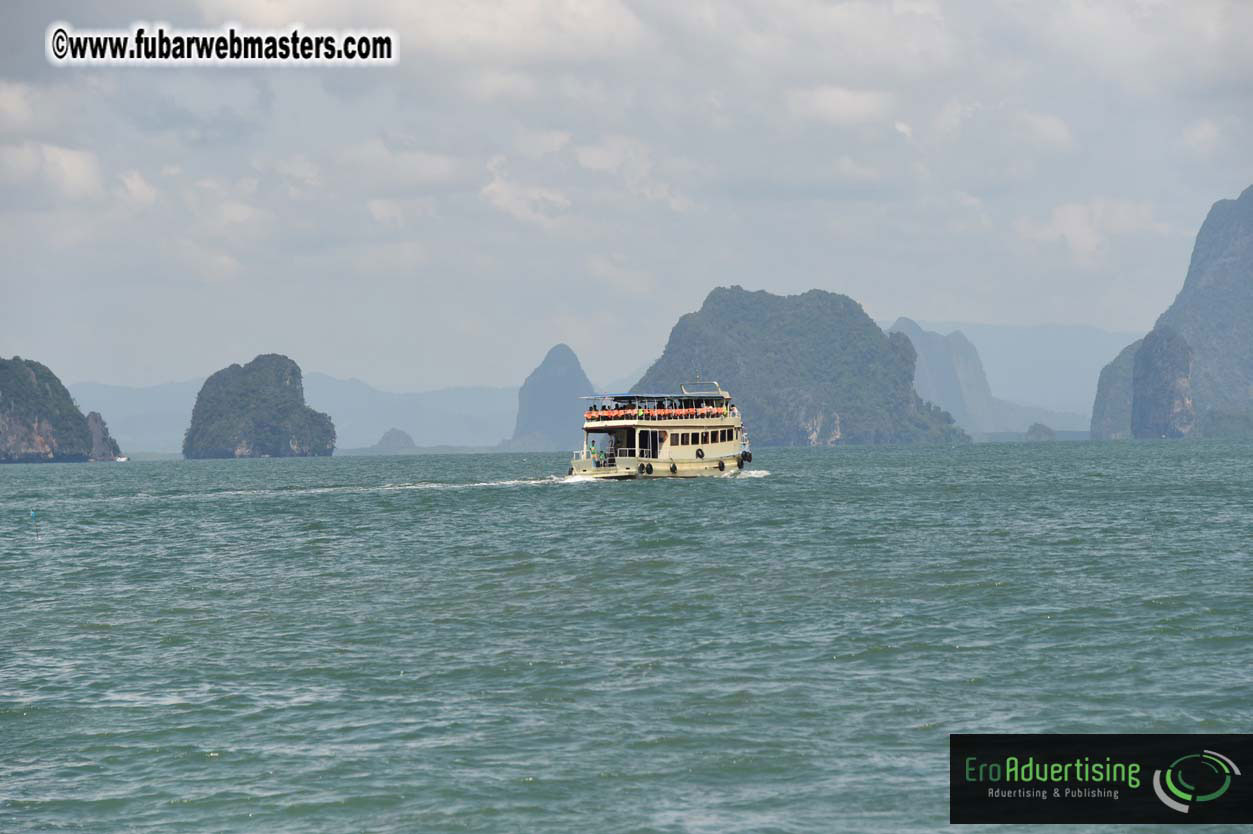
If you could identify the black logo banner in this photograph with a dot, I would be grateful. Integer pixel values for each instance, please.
(1056, 778)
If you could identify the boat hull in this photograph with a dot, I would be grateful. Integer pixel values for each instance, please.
(621, 469)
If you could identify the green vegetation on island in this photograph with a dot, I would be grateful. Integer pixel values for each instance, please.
(40, 423)
(257, 410)
(807, 370)
(38, 418)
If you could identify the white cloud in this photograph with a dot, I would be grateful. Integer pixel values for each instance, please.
(847, 168)
(392, 256)
(903, 129)
(1086, 228)
(379, 164)
(1149, 46)
(17, 110)
(301, 174)
(952, 116)
(1202, 137)
(536, 143)
(612, 271)
(522, 29)
(632, 162)
(237, 213)
(528, 203)
(800, 38)
(491, 85)
(389, 212)
(70, 173)
(137, 190)
(1046, 131)
(840, 105)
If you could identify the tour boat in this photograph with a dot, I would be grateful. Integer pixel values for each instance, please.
(698, 431)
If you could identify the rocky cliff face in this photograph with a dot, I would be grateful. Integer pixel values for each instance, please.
(807, 370)
(1161, 403)
(103, 447)
(550, 416)
(950, 374)
(39, 421)
(1111, 411)
(257, 410)
(1212, 317)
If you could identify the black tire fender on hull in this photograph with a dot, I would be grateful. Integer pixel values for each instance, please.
(700, 453)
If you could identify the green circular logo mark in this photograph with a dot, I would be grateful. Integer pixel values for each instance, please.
(1194, 778)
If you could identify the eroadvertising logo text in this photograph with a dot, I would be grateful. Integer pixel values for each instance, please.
(1059, 778)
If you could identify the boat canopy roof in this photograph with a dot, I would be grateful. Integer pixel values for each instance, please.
(626, 397)
(634, 398)
(687, 391)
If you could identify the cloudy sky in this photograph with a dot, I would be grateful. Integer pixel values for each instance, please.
(585, 172)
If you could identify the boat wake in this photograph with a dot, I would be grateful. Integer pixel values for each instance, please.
(350, 489)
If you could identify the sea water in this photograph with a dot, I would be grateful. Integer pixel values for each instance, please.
(478, 643)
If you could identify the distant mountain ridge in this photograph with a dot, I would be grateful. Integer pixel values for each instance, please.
(1193, 374)
(1049, 366)
(949, 372)
(150, 418)
(810, 369)
(154, 418)
(465, 416)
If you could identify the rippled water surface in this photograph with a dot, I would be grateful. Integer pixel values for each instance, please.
(467, 643)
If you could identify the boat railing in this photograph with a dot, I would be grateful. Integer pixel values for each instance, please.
(624, 452)
(620, 452)
(662, 414)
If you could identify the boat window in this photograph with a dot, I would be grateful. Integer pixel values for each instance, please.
(723, 436)
(704, 437)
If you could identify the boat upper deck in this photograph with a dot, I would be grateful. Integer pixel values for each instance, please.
(711, 404)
